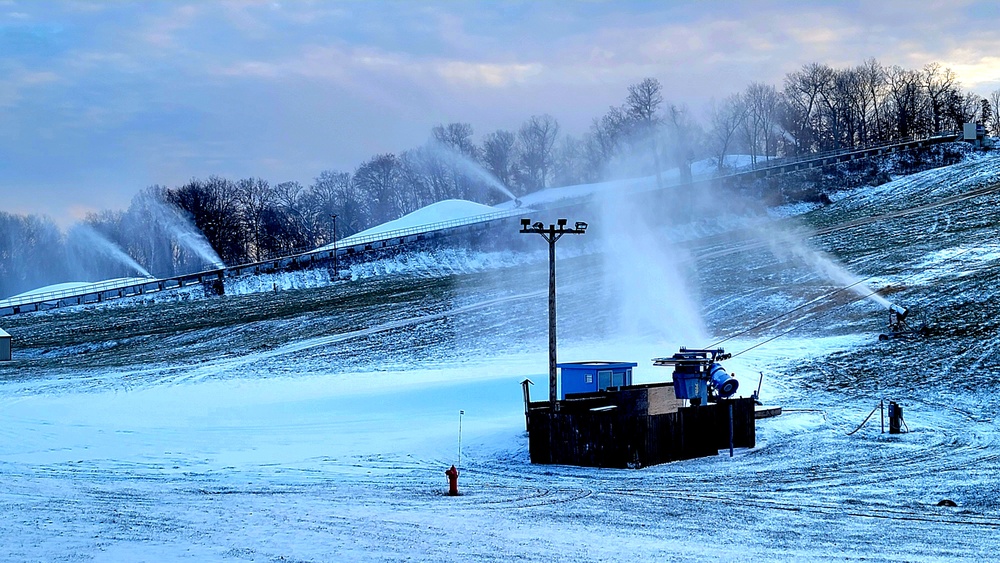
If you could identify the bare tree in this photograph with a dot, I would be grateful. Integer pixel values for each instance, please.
(962, 109)
(568, 168)
(834, 112)
(605, 141)
(31, 254)
(851, 107)
(457, 136)
(378, 181)
(938, 84)
(536, 139)
(642, 106)
(456, 162)
(333, 193)
(287, 227)
(906, 100)
(802, 92)
(255, 196)
(874, 86)
(994, 124)
(726, 118)
(500, 156)
(682, 139)
(761, 101)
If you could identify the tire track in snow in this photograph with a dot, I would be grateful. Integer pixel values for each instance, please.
(858, 510)
(214, 367)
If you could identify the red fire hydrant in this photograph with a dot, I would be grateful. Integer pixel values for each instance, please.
(452, 481)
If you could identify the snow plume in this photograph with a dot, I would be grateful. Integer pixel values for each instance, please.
(465, 166)
(182, 231)
(647, 277)
(87, 244)
(785, 243)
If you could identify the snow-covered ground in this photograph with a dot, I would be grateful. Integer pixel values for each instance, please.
(314, 423)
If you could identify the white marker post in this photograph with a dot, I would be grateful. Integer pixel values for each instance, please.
(460, 413)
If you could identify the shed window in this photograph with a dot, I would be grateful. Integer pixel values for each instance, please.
(617, 379)
(603, 379)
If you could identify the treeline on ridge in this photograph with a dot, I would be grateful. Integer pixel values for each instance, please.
(817, 108)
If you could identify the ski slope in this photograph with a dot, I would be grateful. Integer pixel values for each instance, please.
(314, 423)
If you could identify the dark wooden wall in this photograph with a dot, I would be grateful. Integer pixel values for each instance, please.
(618, 438)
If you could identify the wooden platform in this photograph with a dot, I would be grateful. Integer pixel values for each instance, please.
(617, 430)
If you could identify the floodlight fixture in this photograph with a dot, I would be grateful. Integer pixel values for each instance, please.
(525, 222)
(581, 226)
(561, 222)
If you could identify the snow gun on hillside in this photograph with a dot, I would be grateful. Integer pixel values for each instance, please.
(898, 327)
(698, 375)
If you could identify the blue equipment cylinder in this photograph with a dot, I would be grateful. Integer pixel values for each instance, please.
(724, 384)
(688, 384)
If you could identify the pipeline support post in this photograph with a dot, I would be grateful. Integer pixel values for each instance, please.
(336, 266)
(527, 402)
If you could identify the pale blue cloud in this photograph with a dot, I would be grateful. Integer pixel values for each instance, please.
(100, 99)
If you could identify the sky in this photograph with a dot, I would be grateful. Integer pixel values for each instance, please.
(99, 100)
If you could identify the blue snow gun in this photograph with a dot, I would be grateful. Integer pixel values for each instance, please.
(698, 376)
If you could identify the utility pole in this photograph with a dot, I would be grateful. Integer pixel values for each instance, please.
(551, 234)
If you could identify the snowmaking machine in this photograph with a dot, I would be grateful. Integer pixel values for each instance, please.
(698, 376)
(899, 328)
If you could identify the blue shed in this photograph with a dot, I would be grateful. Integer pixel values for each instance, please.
(590, 377)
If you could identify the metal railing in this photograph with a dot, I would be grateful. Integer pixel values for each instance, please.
(347, 242)
(775, 163)
(787, 160)
(55, 295)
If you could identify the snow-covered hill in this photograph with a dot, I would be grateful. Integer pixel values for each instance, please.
(315, 423)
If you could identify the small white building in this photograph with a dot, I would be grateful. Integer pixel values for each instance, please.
(974, 133)
(5, 348)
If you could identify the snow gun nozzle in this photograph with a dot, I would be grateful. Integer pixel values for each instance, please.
(901, 312)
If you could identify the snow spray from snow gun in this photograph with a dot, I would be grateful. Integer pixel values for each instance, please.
(698, 376)
(788, 243)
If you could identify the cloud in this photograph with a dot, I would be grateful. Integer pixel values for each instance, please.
(161, 31)
(976, 71)
(36, 78)
(143, 92)
(462, 73)
(313, 62)
(19, 82)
